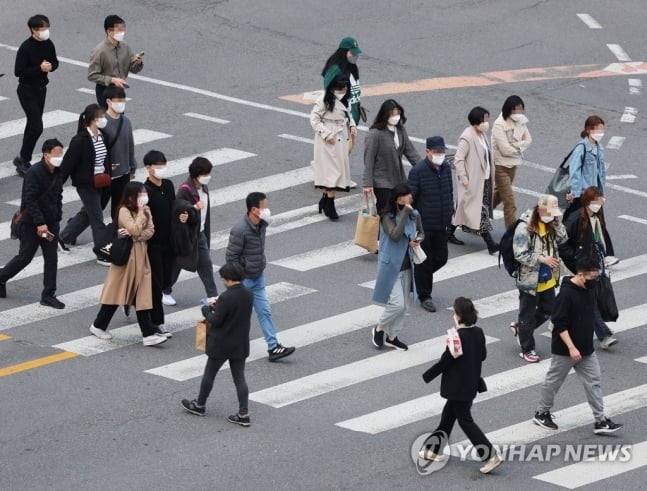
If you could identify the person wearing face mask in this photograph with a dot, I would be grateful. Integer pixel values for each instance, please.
(333, 127)
(112, 60)
(475, 180)
(191, 236)
(35, 59)
(86, 158)
(430, 181)
(588, 238)
(246, 247)
(42, 207)
(130, 284)
(535, 244)
(572, 347)
(384, 146)
(510, 138)
(344, 62)
(586, 167)
(121, 144)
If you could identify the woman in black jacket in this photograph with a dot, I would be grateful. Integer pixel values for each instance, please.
(461, 379)
(227, 340)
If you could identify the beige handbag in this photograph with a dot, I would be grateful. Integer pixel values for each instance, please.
(368, 224)
(201, 335)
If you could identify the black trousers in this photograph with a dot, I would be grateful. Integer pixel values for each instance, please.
(237, 368)
(98, 91)
(534, 310)
(574, 207)
(117, 186)
(381, 197)
(29, 243)
(461, 411)
(143, 319)
(32, 100)
(435, 246)
(161, 259)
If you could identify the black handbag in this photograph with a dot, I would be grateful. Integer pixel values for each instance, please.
(482, 386)
(606, 299)
(116, 248)
(559, 186)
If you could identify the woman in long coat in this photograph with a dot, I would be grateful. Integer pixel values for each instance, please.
(333, 126)
(131, 284)
(475, 176)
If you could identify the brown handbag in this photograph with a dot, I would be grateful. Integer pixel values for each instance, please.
(201, 335)
(102, 180)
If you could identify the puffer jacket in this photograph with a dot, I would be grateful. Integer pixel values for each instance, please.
(528, 251)
(247, 246)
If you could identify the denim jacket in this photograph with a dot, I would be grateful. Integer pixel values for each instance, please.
(592, 173)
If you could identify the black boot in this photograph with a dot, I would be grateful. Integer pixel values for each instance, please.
(451, 237)
(492, 247)
(322, 202)
(329, 208)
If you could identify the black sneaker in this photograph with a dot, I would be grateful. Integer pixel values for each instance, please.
(428, 305)
(545, 420)
(22, 166)
(239, 420)
(52, 301)
(192, 407)
(279, 352)
(377, 337)
(62, 247)
(606, 426)
(396, 343)
(3, 290)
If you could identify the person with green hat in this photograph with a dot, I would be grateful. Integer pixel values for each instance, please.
(344, 62)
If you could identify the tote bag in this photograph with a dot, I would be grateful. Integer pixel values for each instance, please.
(368, 224)
(201, 335)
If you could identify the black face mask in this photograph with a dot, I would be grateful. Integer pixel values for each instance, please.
(400, 207)
(589, 284)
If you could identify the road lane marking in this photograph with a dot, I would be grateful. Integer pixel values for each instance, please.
(50, 119)
(203, 117)
(642, 221)
(642, 359)
(619, 177)
(297, 138)
(590, 22)
(629, 115)
(38, 362)
(615, 142)
(618, 52)
(635, 86)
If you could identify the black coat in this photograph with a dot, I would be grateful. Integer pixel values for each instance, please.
(433, 196)
(460, 375)
(229, 323)
(581, 245)
(78, 161)
(185, 236)
(42, 198)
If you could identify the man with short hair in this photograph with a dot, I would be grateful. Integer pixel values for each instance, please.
(430, 181)
(112, 60)
(247, 247)
(35, 58)
(572, 347)
(42, 204)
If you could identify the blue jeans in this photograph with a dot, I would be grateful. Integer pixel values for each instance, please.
(262, 308)
(599, 326)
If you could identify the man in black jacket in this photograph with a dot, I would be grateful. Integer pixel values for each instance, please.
(36, 57)
(430, 181)
(42, 204)
(227, 340)
(572, 347)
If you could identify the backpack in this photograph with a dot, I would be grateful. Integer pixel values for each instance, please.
(506, 252)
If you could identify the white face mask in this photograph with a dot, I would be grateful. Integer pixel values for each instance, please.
(484, 127)
(142, 199)
(340, 95)
(56, 161)
(204, 180)
(101, 122)
(265, 215)
(594, 207)
(438, 158)
(119, 36)
(597, 136)
(547, 219)
(118, 107)
(43, 35)
(161, 172)
(393, 120)
(519, 118)
(352, 59)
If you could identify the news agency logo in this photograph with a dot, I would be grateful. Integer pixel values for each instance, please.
(427, 452)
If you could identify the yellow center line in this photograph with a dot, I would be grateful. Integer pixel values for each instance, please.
(38, 362)
(4, 337)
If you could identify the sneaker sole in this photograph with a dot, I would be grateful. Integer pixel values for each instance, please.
(607, 346)
(606, 431)
(244, 425)
(431, 457)
(164, 339)
(105, 337)
(191, 410)
(485, 470)
(539, 423)
(386, 343)
(279, 356)
(529, 361)
(59, 307)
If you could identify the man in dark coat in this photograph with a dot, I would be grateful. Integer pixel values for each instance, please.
(229, 318)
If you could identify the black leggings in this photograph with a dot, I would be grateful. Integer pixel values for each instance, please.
(237, 368)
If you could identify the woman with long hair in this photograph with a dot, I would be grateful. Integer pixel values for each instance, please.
(344, 62)
(400, 229)
(588, 237)
(385, 145)
(131, 284)
(333, 127)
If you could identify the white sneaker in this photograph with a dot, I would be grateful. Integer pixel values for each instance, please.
(610, 261)
(100, 333)
(607, 342)
(352, 184)
(492, 463)
(164, 331)
(154, 339)
(168, 299)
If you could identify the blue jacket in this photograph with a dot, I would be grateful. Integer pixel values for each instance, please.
(394, 244)
(432, 194)
(592, 173)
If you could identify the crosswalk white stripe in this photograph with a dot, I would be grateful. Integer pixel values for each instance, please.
(457, 266)
(352, 373)
(590, 22)
(300, 336)
(141, 136)
(50, 119)
(297, 138)
(567, 419)
(619, 177)
(2, 98)
(618, 52)
(590, 471)
(642, 359)
(318, 258)
(203, 117)
(176, 321)
(424, 407)
(630, 218)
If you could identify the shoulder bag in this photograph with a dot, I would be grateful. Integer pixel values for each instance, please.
(104, 179)
(17, 217)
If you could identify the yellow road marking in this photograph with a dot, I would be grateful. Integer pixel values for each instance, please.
(4, 337)
(38, 362)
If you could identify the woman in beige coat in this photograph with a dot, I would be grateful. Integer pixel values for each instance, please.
(475, 176)
(333, 127)
(131, 284)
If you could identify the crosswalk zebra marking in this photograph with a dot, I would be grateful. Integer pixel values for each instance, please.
(50, 119)
(203, 117)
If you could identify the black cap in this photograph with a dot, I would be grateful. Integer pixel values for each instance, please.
(436, 143)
